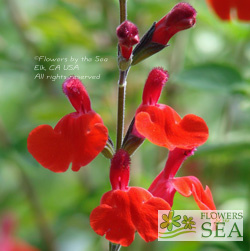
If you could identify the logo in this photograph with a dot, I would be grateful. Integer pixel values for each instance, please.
(197, 225)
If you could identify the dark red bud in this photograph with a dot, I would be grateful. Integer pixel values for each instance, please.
(181, 17)
(127, 34)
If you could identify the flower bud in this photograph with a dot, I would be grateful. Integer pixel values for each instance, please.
(127, 34)
(181, 17)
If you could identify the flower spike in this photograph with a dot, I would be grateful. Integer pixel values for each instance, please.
(77, 138)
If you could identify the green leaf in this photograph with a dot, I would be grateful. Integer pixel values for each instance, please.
(213, 77)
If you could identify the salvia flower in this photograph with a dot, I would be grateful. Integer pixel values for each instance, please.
(127, 34)
(161, 124)
(152, 91)
(125, 210)
(226, 9)
(166, 184)
(181, 17)
(77, 138)
(132, 210)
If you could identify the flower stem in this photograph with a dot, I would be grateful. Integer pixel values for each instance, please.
(123, 10)
(121, 108)
(121, 86)
(114, 247)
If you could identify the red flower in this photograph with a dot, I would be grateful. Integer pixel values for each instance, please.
(127, 34)
(125, 209)
(160, 124)
(121, 213)
(223, 8)
(78, 137)
(7, 241)
(181, 17)
(165, 185)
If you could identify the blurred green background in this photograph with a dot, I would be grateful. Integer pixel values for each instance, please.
(209, 68)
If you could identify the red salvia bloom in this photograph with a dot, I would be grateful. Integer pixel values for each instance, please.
(160, 124)
(78, 137)
(165, 185)
(181, 17)
(125, 210)
(121, 213)
(127, 34)
(226, 9)
(7, 240)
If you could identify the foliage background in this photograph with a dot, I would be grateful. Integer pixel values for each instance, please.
(209, 67)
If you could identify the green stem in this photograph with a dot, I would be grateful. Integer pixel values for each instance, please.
(121, 108)
(121, 86)
(114, 247)
(123, 10)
